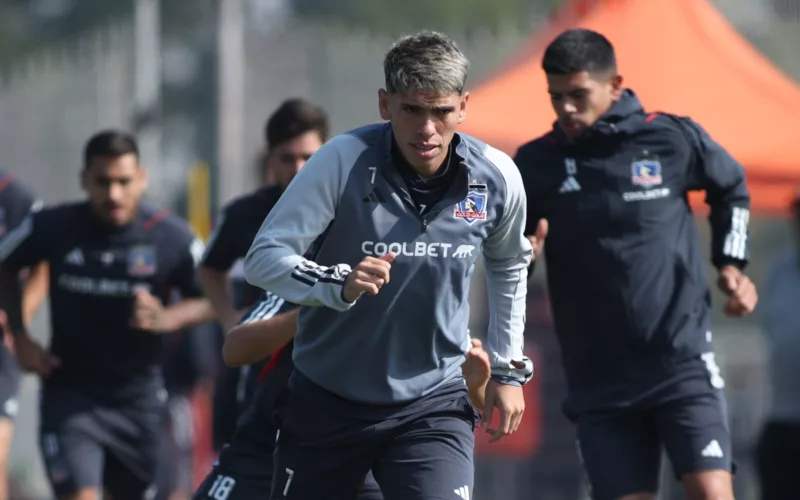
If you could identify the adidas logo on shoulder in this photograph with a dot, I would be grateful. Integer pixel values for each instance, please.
(375, 196)
(570, 185)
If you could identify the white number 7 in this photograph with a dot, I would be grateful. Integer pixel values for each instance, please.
(422, 208)
(374, 171)
(290, 472)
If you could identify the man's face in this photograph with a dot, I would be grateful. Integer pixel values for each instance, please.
(423, 124)
(579, 99)
(115, 186)
(286, 159)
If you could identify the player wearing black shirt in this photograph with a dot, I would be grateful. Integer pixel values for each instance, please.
(292, 134)
(113, 264)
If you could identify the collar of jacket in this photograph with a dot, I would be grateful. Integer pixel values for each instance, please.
(460, 150)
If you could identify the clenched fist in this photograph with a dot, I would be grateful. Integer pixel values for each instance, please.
(368, 277)
(148, 312)
(741, 292)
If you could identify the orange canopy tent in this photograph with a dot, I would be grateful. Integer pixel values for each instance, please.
(680, 56)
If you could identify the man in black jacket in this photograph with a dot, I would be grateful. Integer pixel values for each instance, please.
(607, 198)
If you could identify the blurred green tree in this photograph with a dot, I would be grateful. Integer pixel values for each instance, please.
(9, 35)
(24, 26)
(392, 17)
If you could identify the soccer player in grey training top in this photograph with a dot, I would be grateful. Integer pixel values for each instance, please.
(377, 381)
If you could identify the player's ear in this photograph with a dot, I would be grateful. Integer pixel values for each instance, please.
(616, 86)
(462, 110)
(383, 105)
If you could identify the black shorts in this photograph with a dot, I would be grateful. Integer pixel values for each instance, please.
(244, 469)
(9, 384)
(86, 444)
(687, 416)
(776, 459)
(219, 485)
(420, 450)
(176, 469)
(234, 486)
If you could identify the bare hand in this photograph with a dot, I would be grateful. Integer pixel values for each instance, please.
(477, 370)
(510, 403)
(368, 277)
(148, 312)
(537, 240)
(32, 357)
(741, 292)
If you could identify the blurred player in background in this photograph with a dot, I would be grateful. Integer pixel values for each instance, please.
(113, 263)
(409, 204)
(292, 134)
(779, 444)
(187, 364)
(245, 467)
(17, 202)
(607, 195)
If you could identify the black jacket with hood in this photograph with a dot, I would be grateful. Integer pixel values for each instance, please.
(626, 275)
